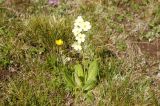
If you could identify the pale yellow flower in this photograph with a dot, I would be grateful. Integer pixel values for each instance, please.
(80, 26)
(80, 38)
(78, 21)
(77, 46)
(85, 26)
(76, 30)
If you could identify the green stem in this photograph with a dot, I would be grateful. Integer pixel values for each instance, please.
(84, 67)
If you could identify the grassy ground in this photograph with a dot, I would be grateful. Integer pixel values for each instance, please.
(31, 73)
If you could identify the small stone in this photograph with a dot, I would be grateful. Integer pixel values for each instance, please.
(158, 75)
(53, 2)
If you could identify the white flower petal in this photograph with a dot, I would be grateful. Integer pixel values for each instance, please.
(76, 30)
(86, 26)
(78, 21)
(77, 46)
(80, 38)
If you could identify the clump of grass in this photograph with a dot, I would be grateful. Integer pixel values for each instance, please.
(35, 88)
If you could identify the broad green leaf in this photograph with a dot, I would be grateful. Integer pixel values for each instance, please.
(93, 71)
(1, 1)
(78, 80)
(90, 96)
(89, 85)
(79, 70)
(69, 80)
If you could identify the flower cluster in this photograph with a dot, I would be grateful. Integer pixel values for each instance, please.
(80, 26)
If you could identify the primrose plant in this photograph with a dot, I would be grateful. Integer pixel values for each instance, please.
(84, 78)
(80, 26)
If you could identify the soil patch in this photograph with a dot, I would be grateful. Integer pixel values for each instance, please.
(151, 49)
(146, 48)
(5, 74)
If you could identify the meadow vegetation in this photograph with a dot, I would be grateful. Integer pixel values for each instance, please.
(111, 69)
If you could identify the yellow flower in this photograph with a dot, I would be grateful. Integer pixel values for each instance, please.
(59, 42)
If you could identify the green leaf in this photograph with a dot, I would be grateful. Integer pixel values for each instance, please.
(90, 97)
(93, 71)
(89, 85)
(68, 79)
(79, 70)
(1, 1)
(78, 80)
(92, 76)
(79, 75)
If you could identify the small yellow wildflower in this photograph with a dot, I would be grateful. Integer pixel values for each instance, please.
(59, 42)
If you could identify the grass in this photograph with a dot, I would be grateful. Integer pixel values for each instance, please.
(30, 70)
